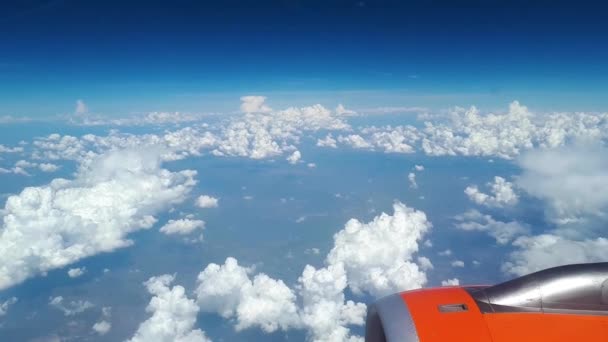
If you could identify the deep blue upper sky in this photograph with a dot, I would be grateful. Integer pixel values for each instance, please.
(201, 56)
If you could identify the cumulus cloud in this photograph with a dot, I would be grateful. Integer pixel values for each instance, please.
(6, 304)
(328, 141)
(425, 263)
(48, 167)
(205, 201)
(503, 232)
(182, 227)
(377, 255)
(502, 194)
(469, 132)
(102, 327)
(450, 282)
(70, 308)
(264, 135)
(374, 257)
(457, 263)
(254, 104)
(571, 180)
(419, 167)
(411, 177)
(4, 149)
(294, 158)
(114, 194)
(173, 314)
(76, 272)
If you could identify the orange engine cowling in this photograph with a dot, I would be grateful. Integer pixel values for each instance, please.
(562, 304)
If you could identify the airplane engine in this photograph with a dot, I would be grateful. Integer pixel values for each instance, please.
(561, 304)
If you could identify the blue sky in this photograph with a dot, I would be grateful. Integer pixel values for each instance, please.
(195, 56)
(264, 170)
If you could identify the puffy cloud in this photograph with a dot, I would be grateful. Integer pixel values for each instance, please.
(205, 201)
(535, 253)
(48, 167)
(114, 194)
(76, 272)
(419, 167)
(425, 263)
(377, 255)
(328, 141)
(254, 104)
(271, 305)
(173, 314)
(502, 194)
(355, 141)
(468, 132)
(503, 232)
(295, 157)
(263, 302)
(411, 177)
(325, 312)
(457, 263)
(450, 282)
(572, 180)
(4, 149)
(447, 252)
(372, 257)
(70, 308)
(265, 135)
(182, 227)
(6, 304)
(102, 327)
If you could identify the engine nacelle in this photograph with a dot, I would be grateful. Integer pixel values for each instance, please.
(561, 304)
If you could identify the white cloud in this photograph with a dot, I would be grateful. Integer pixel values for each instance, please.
(52, 226)
(372, 257)
(70, 308)
(263, 302)
(6, 304)
(48, 167)
(377, 255)
(328, 141)
(535, 253)
(502, 194)
(102, 327)
(355, 141)
(457, 263)
(447, 252)
(182, 226)
(205, 201)
(419, 167)
(450, 282)
(254, 104)
(503, 232)
(295, 157)
(425, 263)
(571, 180)
(411, 177)
(76, 272)
(4, 149)
(311, 165)
(173, 314)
